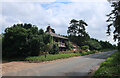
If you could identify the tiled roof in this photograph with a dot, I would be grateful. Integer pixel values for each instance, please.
(55, 35)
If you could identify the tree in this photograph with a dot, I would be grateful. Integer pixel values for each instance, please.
(93, 44)
(114, 20)
(23, 40)
(77, 33)
(77, 28)
(81, 28)
(72, 30)
(106, 45)
(85, 47)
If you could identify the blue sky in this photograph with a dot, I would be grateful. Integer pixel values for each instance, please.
(58, 15)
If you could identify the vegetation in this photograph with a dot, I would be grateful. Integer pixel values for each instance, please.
(57, 56)
(55, 49)
(50, 57)
(22, 40)
(93, 44)
(107, 45)
(77, 33)
(69, 45)
(110, 67)
(114, 20)
(85, 47)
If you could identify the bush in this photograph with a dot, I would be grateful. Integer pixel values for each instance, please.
(22, 40)
(93, 44)
(85, 47)
(69, 46)
(55, 49)
(82, 52)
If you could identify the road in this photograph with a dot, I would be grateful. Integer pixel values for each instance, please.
(75, 66)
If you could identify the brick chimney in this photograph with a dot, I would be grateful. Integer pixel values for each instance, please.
(48, 29)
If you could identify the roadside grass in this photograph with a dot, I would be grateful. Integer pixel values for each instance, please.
(49, 57)
(57, 56)
(110, 67)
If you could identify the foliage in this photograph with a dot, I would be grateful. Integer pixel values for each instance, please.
(114, 20)
(55, 49)
(85, 47)
(51, 57)
(77, 27)
(83, 52)
(24, 40)
(107, 45)
(69, 46)
(109, 68)
(93, 44)
(77, 33)
(57, 56)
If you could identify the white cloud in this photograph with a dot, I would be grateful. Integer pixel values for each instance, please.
(58, 15)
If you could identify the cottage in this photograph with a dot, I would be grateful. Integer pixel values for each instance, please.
(57, 38)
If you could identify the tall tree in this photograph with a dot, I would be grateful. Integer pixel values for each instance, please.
(72, 30)
(77, 28)
(114, 20)
(81, 28)
(77, 33)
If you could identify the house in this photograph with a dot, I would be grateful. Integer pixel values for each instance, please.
(57, 38)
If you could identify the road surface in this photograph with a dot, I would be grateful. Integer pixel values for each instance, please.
(76, 66)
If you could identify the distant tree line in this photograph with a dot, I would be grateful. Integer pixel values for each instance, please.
(77, 34)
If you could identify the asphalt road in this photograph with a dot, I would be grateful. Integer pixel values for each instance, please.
(76, 66)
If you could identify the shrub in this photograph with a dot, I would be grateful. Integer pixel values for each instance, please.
(93, 44)
(82, 52)
(22, 40)
(85, 47)
(69, 46)
(55, 49)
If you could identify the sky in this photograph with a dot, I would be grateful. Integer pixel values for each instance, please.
(58, 14)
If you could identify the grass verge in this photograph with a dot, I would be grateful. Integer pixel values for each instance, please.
(51, 57)
(57, 56)
(110, 67)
